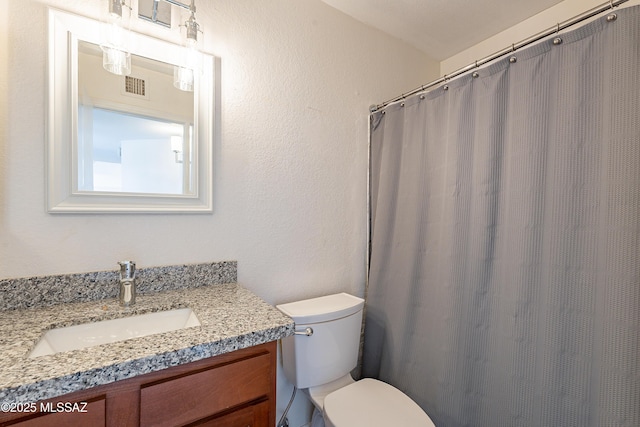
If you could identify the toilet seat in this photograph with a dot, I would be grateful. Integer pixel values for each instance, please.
(372, 403)
(319, 393)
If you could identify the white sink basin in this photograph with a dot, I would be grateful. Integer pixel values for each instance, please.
(108, 331)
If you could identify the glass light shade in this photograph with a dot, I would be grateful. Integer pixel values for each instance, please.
(116, 61)
(183, 78)
(193, 58)
(115, 36)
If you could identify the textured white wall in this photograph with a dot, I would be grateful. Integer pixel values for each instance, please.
(290, 162)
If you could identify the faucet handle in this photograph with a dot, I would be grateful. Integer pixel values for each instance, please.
(127, 269)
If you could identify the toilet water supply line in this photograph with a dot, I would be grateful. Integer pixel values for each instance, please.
(283, 419)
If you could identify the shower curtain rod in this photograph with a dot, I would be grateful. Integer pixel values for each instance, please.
(507, 50)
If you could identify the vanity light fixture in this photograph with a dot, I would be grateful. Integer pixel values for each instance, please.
(116, 57)
(183, 77)
(184, 74)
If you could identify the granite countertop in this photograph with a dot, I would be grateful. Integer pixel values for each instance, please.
(231, 318)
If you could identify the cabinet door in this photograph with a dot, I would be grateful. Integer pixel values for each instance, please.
(256, 415)
(94, 417)
(200, 395)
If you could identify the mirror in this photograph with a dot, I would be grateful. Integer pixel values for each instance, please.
(125, 143)
(135, 131)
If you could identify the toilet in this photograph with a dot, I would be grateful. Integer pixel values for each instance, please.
(318, 359)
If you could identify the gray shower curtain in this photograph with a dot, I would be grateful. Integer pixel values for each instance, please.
(504, 280)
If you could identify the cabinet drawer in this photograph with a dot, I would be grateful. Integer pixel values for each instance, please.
(94, 416)
(189, 398)
(256, 415)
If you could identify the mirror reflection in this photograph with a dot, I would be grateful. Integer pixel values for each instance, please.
(127, 144)
(135, 132)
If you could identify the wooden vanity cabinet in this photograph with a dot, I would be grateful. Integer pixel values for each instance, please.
(94, 416)
(230, 390)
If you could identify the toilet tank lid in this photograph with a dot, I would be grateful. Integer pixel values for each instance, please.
(322, 309)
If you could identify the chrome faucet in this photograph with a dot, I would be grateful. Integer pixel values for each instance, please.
(127, 283)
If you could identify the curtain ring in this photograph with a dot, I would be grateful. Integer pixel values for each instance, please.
(513, 47)
(558, 28)
(611, 4)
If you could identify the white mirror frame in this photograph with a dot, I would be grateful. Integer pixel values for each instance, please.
(65, 30)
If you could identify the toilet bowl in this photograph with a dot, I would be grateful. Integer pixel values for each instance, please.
(319, 358)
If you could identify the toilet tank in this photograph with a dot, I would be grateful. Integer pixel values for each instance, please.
(331, 352)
